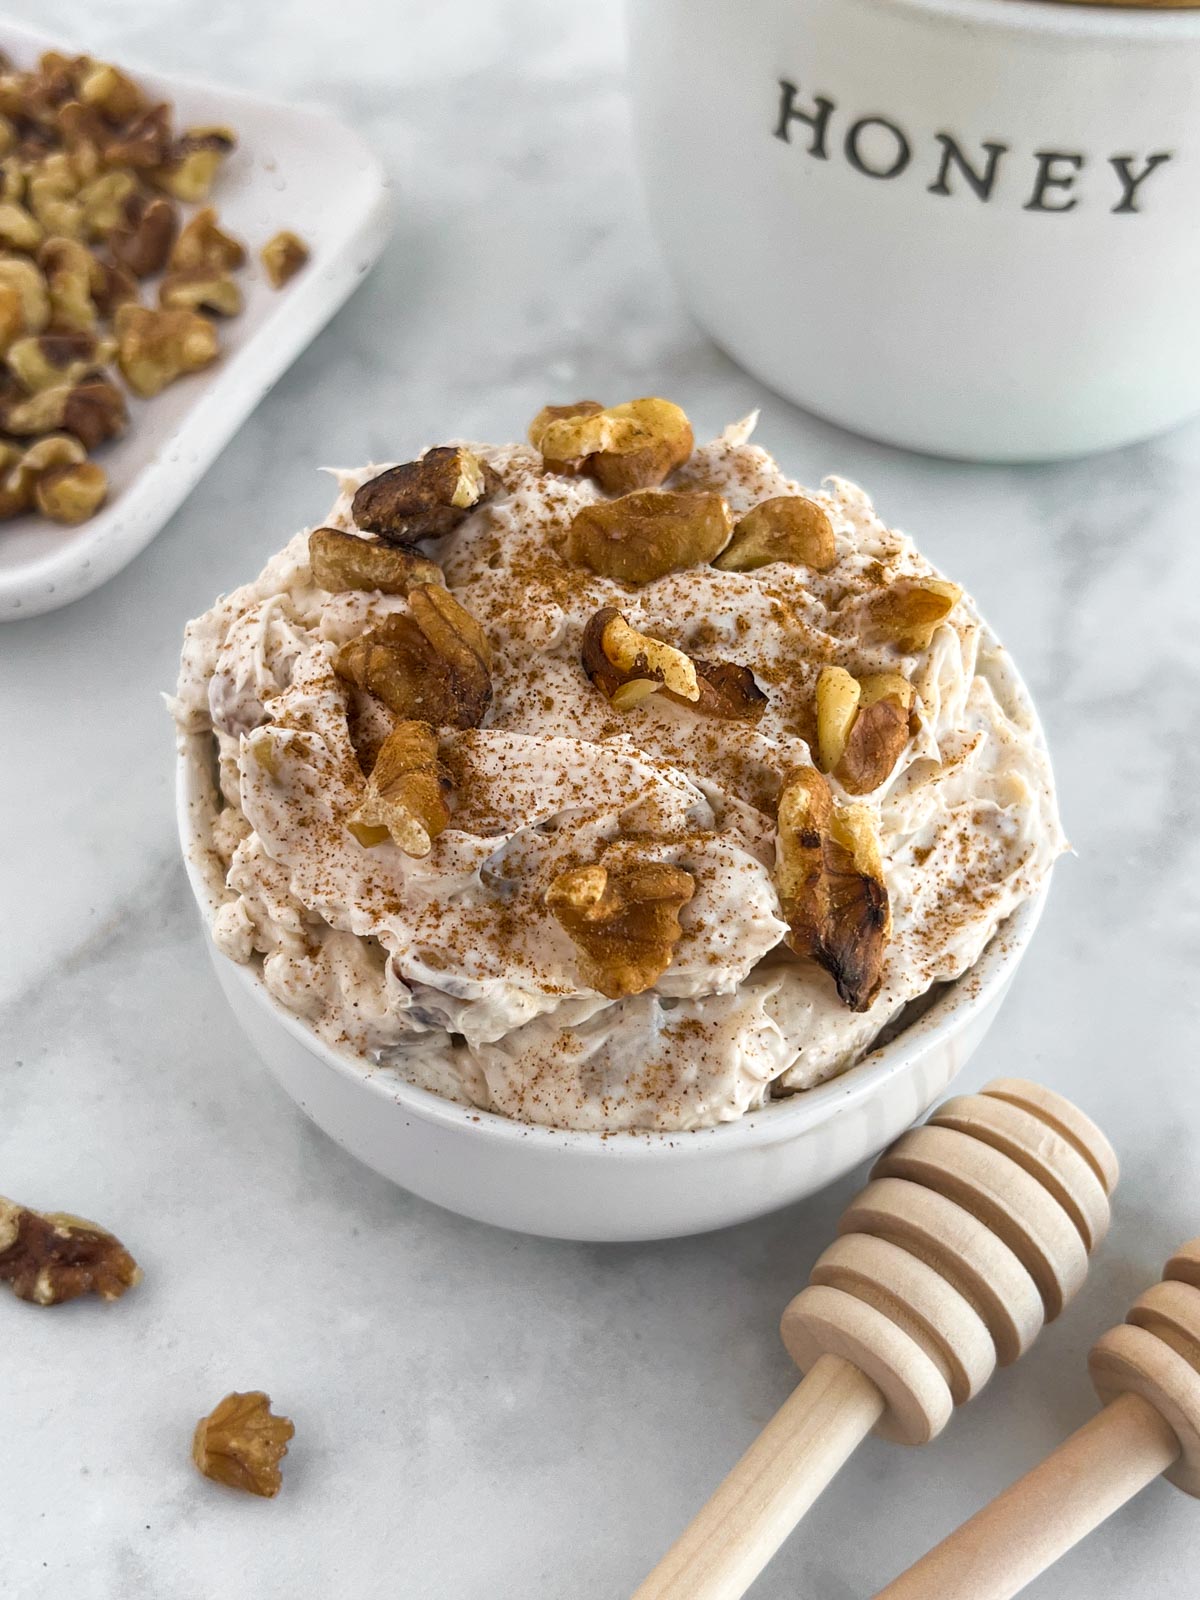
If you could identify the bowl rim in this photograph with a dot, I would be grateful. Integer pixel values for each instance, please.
(778, 1122)
(1063, 19)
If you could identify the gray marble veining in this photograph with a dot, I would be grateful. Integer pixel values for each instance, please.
(480, 1414)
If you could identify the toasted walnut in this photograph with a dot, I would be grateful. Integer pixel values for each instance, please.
(862, 726)
(201, 243)
(143, 142)
(93, 411)
(19, 229)
(111, 92)
(42, 360)
(194, 162)
(71, 494)
(788, 528)
(143, 237)
(404, 798)
(241, 1443)
(283, 257)
(50, 1257)
(644, 536)
(15, 491)
(103, 201)
(632, 446)
(423, 499)
(156, 347)
(906, 612)
(201, 289)
(429, 665)
(830, 880)
(24, 279)
(73, 275)
(629, 667)
(624, 920)
(52, 199)
(728, 690)
(344, 561)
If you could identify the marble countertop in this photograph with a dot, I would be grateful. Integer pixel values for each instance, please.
(480, 1414)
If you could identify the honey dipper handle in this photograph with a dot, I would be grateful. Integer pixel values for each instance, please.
(1048, 1511)
(806, 1442)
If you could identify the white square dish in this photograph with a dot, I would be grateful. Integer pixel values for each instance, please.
(293, 168)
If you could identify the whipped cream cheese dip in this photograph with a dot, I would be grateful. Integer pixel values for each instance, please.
(453, 967)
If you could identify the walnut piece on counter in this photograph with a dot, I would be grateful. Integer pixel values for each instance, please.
(787, 528)
(404, 798)
(829, 876)
(431, 664)
(623, 920)
(636, 445)
(629, 667)
(645, 535)
(283, 257)
(342, 561)
(51, 1257)
(426, 498)
(241, 1443)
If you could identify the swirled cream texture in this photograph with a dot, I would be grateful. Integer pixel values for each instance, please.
(450, 969)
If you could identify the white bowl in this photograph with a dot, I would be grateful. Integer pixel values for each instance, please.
(625, 1186)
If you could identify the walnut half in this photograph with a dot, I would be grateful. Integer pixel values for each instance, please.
(829, 876)
(403, 799)
(624, 921)
(629, 667)
(426, 498)
(47, 1258)
(241, 1443)
(342, 561)
(632, 446)
(646, 535)
(429, 664)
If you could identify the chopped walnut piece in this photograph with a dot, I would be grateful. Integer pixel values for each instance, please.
(93, 411)
(156, 347)
(728, 690)
(429, 665)
(404, 798)
(19, 229)
(142, 239)
(644, 536)
(906, 612)
(624, 920)
(71, 494)
(632, 446)
(862, 726)
(788, 528)
(629, 667)
(196, 158)
(832, 893)
(202, 243)
(143, 142)
(111, 92)
(24, 279)
(241, 1443)
(103, 200)
(200, 289)
(423, 499)
(283, 257)
(50, 1257)
(73, 275)
(39, 361)
(344, 561)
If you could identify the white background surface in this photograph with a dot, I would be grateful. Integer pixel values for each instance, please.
(481, 1415)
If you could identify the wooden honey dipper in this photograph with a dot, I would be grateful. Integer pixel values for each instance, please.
(975, 1229)
(1147, 1372)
